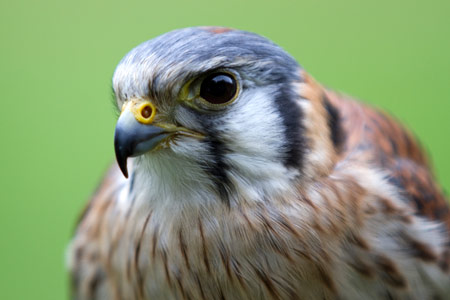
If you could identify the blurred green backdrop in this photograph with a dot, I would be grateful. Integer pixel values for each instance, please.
(57, 120)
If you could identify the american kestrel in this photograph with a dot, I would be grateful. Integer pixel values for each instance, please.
(240, 177)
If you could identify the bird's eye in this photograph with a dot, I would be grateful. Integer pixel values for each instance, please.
(218, 88)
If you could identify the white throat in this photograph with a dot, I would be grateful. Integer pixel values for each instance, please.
(164, 180)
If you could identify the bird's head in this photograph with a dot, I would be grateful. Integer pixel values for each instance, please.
(222, 106)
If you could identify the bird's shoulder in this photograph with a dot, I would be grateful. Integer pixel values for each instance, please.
(106, 192)
(87, 249)
(373, 136)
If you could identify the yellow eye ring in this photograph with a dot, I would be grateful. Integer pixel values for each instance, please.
(145, 112)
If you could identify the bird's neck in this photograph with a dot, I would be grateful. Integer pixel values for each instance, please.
(174, 183)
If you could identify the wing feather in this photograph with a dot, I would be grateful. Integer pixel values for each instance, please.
(372, 135)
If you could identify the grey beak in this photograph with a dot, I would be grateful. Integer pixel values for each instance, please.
(132, 138)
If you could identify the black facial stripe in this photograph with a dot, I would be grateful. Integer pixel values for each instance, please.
(291, 115)
(132, 181)
(334, 123)
(218, 167)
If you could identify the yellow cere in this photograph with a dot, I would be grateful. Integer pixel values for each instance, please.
(143, 111)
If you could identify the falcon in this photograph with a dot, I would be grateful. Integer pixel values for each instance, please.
(238, 176)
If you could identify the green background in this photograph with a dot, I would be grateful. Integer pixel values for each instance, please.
(57, 120)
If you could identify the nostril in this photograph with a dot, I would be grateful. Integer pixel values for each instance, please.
(146, 112)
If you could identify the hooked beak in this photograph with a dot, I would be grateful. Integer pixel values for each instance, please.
(136, 133)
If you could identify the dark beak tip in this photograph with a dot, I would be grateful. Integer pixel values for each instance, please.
(124, 170)
(122, 162)
(121, 158)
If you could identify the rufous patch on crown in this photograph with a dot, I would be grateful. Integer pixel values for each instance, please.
(216, 29)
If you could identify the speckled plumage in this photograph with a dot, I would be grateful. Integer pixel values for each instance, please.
(295, 192)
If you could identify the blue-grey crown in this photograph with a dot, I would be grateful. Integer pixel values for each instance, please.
(164, 63)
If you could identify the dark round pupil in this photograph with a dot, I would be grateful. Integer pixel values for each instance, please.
(146, 112)
(218, 88)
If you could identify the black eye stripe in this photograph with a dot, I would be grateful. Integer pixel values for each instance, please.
(218, 88)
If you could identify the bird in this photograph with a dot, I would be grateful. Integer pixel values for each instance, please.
(239, 176)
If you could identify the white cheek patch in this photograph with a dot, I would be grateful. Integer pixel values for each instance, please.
(254, 135)
(253, 125)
